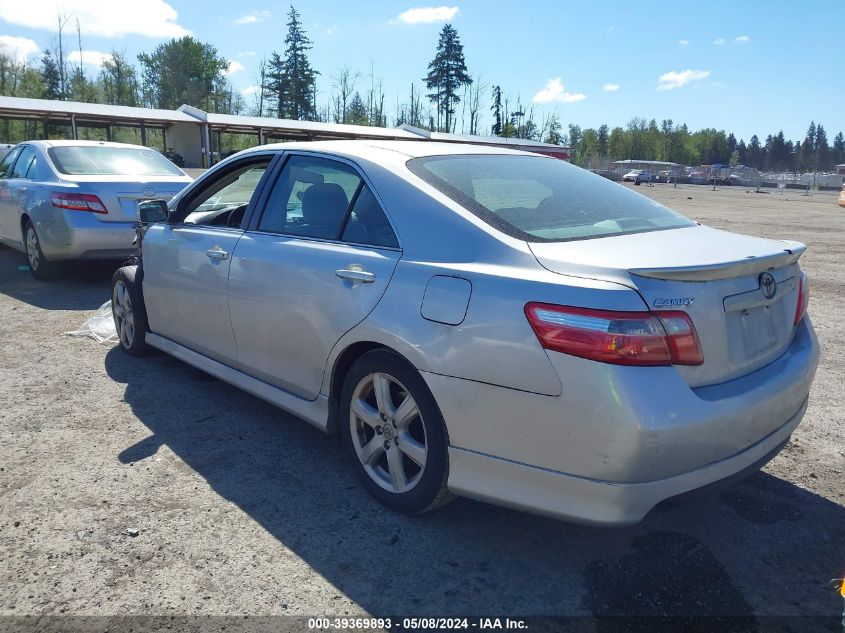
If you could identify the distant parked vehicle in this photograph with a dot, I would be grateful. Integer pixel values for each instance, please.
(637, 175)
(77, 200)
(174, 157)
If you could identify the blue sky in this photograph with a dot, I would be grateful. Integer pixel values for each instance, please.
(747, 67)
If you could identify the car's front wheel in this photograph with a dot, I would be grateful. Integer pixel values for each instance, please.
(127, 305)
(395, 433)
(40, 267)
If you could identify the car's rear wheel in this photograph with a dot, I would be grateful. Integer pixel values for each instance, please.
(395, 433)
(130, 318)
(40, 267)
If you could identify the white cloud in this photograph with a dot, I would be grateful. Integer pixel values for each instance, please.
(610, 87)
(683, 42)
(331, 30)
(234, 67)
(92, 58)
(247, 54)
(251, 90)
(554, 91)
(742, 39)
(20, 47)
(427, 15)
(253, 17)
(673, 79)
(105, 18)
(719, 41)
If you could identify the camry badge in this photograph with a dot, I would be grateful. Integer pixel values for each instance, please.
(768, 285)
(148, 191)
(662, 302)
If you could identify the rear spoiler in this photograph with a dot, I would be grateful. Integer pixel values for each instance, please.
(726, 270)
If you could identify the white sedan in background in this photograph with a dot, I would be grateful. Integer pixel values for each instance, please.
(76, 200)
(636, 175)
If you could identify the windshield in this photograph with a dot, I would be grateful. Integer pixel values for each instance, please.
(540, 199)
(85, 160)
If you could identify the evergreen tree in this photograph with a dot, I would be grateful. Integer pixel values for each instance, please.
(51, 77)
(603, 141)
(497, 111)
(357, 113)
(822, 150)
(838, 149)
(447, 73)
(754, 153)
(291, 80)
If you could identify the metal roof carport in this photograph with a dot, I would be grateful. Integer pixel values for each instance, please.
(97, 115)
(190, 131)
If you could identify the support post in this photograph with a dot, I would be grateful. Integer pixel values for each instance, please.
(46, 130)
(108, 133)
(261, 136)
(73, 133)
(143, 134)
(164, 139)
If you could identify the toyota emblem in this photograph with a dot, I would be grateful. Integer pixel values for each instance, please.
(768, 285)
(148, 191)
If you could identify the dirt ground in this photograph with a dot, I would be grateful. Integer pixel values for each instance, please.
(240, 509)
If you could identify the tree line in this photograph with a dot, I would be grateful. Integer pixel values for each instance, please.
(187, 70)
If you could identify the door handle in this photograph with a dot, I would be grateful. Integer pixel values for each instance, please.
(361, 276)
(217, 253)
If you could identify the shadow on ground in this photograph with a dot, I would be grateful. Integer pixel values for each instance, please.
(764, 546)
(79, 286)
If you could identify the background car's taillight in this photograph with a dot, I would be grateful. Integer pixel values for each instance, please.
(78, 202)
(803, 298)
(622, 338)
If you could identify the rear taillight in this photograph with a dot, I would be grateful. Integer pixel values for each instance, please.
(803, 298)
(621, 338)
(78, 202)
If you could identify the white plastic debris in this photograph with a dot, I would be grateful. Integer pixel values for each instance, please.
(99, 327)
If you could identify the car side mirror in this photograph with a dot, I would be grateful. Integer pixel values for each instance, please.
(152, 211)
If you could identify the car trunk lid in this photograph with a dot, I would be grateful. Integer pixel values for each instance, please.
(741, 292)
(121, 196)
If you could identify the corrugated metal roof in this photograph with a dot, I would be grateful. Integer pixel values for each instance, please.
(233, 121)
(63, 109)
(520, 143)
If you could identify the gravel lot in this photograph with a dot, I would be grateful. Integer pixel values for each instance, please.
(241, 509)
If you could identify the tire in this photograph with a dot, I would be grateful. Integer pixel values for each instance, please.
(128, 311)
(379, 386)
(40, 267)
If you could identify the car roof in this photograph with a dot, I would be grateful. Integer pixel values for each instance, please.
(71, 143)
(370, 149)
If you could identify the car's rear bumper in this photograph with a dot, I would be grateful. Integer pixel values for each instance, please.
(591, 501)
(618, 439)
(80, 235)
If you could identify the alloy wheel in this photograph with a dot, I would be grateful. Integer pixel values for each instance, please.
(388, 433)
(124, 318)
(32, 251)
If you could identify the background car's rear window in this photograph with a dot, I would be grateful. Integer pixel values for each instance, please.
(541, 199)
(110, 161)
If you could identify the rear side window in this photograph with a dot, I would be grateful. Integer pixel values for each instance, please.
(8, 161)
(103, 160)
(24, 163)
(540, 199)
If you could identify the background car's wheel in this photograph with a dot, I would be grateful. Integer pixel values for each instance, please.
(130, 316)
(395, 433)
(40, 267)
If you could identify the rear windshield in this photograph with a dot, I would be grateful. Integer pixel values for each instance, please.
(540, 199)
(111, 161)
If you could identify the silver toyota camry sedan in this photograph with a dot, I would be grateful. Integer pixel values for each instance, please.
(480, 322)
(76, 200)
